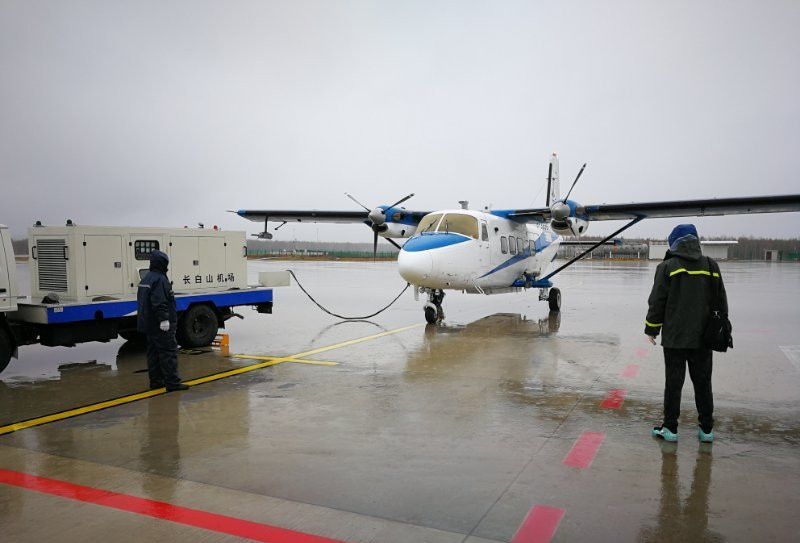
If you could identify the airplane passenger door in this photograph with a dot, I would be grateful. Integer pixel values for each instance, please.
(485, 251)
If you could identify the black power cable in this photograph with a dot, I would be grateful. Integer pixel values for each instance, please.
(341, 316)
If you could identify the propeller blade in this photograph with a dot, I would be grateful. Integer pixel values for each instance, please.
(549, 183)
(576, 180)
(390, 240)
(374, 244)
(356, 201)
(398, 202)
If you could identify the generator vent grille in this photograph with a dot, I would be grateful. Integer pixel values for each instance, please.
(52, 265)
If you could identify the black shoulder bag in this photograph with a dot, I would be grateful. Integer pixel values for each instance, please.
(717, 335)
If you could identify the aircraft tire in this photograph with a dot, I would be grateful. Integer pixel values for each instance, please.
(554, 299)
(431, 315)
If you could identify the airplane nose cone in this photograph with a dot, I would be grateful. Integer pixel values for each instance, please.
(415, 267)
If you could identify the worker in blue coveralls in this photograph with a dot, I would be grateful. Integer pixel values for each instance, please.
(157, 318)
(679, 308)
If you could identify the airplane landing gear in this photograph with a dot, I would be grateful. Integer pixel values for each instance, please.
(433, 309)
(553, 297)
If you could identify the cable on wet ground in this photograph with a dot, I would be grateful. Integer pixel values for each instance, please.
(341, 316)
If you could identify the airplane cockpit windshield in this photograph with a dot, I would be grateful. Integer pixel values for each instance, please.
(428, 223)
(453, 223)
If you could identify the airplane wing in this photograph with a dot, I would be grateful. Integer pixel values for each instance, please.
(394, 214)
(674, 208)
(282, 215)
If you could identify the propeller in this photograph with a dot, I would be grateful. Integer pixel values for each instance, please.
(377, 219)
(576, 180)
(560, 211)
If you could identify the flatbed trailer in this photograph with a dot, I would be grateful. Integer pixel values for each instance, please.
(84, 312)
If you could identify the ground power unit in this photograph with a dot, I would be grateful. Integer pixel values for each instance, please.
(92, 263)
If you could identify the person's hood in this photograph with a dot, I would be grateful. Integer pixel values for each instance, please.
(688, 249)
(681, 233)
(159, 261)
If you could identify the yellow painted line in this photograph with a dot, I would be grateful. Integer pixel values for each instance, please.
(314, 362)
(286, 359)
(231, 373)
(268, 361)
(354, 341)
(258, 357)
(79, 411)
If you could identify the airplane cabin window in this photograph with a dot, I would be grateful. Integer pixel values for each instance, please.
(512, 245)
(520, 246)
(428, 223)
(456, 223)
(484, 233)
(503, 245)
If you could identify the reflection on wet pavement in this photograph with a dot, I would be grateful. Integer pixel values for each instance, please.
(458, 428)
(683, 520)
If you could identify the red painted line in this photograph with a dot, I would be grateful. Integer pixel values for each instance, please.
(161, 510)
(584, 450)
(614, 399)
(540, 525)
(642, 352)
(631, 371)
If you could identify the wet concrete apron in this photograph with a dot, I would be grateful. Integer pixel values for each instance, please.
(504, 423)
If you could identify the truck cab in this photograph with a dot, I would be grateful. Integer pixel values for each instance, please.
(8, 272)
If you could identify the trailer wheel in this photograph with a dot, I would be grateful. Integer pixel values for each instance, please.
(6, 349)
(133, 336)
(197, 327)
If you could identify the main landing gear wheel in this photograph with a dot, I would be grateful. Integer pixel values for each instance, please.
(554, 299)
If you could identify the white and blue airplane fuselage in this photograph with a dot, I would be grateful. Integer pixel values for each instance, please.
(476, 251)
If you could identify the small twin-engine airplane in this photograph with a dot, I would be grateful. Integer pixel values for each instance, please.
(504, 250)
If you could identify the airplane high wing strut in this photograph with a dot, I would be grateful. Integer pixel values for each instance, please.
(590, 249)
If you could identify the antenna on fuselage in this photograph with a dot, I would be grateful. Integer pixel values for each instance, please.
(464, 204)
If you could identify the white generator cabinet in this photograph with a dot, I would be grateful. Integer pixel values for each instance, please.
(91, 263)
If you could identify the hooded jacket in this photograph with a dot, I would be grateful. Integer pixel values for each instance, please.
(680, 302)
(155, 299)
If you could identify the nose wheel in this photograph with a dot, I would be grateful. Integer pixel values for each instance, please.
(433, 309)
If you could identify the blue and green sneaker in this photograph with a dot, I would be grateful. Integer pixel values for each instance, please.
(705, 437)
(665, 433)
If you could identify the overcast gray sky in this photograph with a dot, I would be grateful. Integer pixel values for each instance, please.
(170, 112)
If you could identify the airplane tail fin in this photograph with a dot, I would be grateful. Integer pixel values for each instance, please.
(553, 188)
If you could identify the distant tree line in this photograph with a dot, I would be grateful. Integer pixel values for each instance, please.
(746, 249)
(254, 245)
(755, 248)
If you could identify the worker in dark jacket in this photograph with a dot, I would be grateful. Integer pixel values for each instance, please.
(680, 306)
(157, 319)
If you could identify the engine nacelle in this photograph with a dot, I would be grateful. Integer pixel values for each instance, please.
(397, 230)
(571, 226)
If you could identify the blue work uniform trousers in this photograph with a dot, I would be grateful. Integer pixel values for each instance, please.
(162, 359)
(700, 365)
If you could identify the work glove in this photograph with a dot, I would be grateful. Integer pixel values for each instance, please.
(164, 325)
